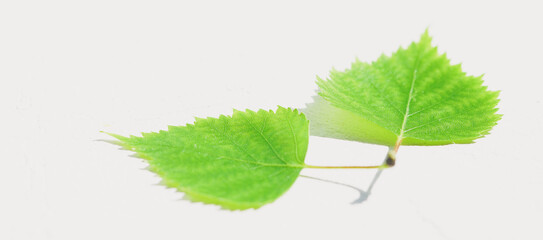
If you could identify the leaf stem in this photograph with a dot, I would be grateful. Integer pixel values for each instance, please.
(345, 167)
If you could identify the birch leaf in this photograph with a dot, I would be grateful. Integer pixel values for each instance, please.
(238, 162)
(413, 97)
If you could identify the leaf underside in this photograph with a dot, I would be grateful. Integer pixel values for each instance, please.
(415, 96)
(238, 162)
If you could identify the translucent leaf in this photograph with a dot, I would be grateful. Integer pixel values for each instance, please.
(239, 162)
(413, 97)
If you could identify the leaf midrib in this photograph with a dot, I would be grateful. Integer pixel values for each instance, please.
(409, 98)
(264, 164)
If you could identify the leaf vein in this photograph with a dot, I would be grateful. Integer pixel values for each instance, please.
(263, 164)
(293, 137)
(265, 139)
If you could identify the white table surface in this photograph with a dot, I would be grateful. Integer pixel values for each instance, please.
(70, 69)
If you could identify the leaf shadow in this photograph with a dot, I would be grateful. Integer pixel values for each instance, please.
(363, 195)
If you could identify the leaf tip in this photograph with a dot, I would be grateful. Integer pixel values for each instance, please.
(425, 38)
(117, 136)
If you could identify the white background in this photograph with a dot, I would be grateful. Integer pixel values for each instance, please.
(69, 69)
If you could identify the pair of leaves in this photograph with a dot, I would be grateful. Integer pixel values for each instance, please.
(413, 97)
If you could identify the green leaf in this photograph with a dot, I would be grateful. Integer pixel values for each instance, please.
(413, 97)
(239, 162)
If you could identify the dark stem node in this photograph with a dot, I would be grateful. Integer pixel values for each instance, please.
(390, 160)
